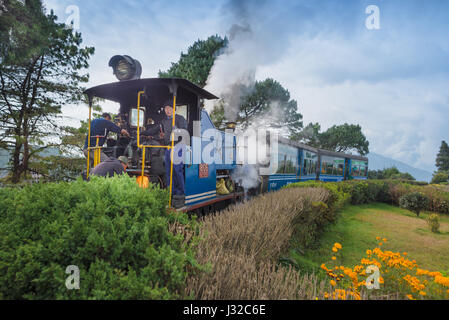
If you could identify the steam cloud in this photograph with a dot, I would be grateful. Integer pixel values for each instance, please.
(258, 35)
(256, 38)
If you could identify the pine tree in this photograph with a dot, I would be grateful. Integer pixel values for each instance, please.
(442, 162)
(195, 65)
(40, 60)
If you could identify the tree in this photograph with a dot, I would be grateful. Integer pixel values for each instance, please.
(66, 161)
(40, 68)
(195, 65)
(440, 177)
(310, 135)
(442, 161)
(415, 202)
(345, 138)
(270, 106)
(389, 173)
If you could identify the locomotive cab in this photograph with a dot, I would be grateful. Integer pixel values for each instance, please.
(141, 107)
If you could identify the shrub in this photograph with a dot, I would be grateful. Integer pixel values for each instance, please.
(440, 177)
(400, 277)
(414, 201)
(434, 222)
(119, 235)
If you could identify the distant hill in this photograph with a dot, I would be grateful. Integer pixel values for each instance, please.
(379, 162)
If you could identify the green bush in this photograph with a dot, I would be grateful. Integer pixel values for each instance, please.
(415, 202)
(434, 222)
(440, 177)
(386, 191)
(115, 232)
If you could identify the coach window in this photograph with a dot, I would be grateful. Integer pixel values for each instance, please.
(340, 169)
(281, 163)
(310, 163)
(330, 168)
(291, 165)
(355, 171)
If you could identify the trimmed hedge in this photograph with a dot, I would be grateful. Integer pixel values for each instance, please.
(387, 191)
(115, 232)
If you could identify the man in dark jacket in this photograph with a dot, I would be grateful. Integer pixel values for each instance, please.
(101, 127)
(178, 167)
(110, 167)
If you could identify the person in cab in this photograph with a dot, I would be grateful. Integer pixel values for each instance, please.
(101, 127)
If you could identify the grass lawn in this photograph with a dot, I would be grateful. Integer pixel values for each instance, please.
(358, 227)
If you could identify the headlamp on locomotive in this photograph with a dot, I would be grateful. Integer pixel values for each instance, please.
(125, 68)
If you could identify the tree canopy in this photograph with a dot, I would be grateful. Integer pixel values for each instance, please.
(41, 61)
(339, 138)
(268, 105)
(389, 173)
(440, 177)
(195, 65)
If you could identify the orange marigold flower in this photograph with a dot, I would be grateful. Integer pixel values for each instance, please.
(377, 238)
(422, 293)
(337, 245)
(333, 283)
(410, 297)
(334, 249)
(334, 258)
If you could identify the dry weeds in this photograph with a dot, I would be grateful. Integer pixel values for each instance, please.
(243, 244)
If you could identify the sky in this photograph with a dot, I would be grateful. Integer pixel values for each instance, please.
(393, 79)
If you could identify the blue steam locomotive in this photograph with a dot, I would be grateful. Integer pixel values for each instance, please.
(209, 185)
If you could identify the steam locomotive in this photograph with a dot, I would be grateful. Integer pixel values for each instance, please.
(209, 185)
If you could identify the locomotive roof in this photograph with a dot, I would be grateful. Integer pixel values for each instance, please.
(117, 90)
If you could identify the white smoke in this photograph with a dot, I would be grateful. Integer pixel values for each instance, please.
(246, 176)
(258, 35)
(255, 40)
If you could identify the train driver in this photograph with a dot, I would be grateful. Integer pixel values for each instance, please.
(178, 167)
(101, 127)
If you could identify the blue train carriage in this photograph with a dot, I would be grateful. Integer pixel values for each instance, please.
(332, 166)
(140, 103)
(292, 162)
(337, 166)
(358, 168)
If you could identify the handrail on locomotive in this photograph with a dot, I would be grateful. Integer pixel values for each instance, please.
(97, 149)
